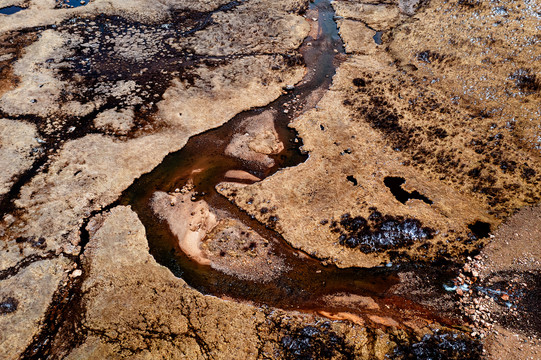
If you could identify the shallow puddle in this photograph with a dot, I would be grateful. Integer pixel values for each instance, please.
(10, 10)
(74, 3)
(377, 37)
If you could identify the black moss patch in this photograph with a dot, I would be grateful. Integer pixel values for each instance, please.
(527, 173)
(380, 116)
(359, 82)
(8, 306)
(313, 343)
(447, 346)
(379, 232)
(428, 56)
(395, 185)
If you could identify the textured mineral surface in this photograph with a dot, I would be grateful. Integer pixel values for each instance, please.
(419, 162)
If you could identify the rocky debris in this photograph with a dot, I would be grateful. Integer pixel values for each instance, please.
(498, 292)
(505, 298)
(474, 303)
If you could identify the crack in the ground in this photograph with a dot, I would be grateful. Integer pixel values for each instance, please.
(66, 309)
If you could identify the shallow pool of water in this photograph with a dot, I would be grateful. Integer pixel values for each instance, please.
(11, 10)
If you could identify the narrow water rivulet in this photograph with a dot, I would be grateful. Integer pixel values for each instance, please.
(304, 284)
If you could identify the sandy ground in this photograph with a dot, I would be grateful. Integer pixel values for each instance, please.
(188, 220)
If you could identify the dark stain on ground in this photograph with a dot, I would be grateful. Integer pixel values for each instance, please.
(8, 305)
(147, 54)
(36, 242)
(394, 183)
(379, 232)
(95, 69)
(405, 117)
(62, 326)
(381, 116)
(429, 56)
(441, 346)
(315, 342)
(359, 82)
(12, 45)
(526, 81)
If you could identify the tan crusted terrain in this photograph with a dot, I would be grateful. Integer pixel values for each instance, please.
(423, 145)
(400, 113)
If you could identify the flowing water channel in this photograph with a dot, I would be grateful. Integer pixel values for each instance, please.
(306, 283)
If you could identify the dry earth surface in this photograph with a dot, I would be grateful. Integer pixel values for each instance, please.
(425, 150)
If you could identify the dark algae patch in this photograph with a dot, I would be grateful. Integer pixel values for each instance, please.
(379, 232)
(440, 346)
(313, 343)
(8, 305)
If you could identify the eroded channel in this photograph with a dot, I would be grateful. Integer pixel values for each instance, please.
(249, 261)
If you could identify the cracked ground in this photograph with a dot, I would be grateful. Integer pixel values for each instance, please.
(422, 158)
